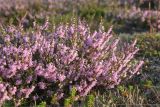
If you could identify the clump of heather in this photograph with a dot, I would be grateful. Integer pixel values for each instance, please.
(45, 64)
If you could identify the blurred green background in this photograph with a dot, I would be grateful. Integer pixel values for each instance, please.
(130, 19)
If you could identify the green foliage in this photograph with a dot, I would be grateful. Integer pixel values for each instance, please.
(72, 94)
(90, 100)
(70, 100)
(54, 99)
(42, 104)
(8, 104)
(147, 83)
(92, 11)
(1, 79)
(125, 91)
(121, 88)
(61, 18)
(149, 44)
(67, 102)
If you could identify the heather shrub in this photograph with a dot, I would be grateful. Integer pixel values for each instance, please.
(61, 64)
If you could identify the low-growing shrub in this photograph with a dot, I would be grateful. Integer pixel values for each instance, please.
(61, 64)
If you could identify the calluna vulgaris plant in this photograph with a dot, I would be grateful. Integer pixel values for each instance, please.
(42, 64)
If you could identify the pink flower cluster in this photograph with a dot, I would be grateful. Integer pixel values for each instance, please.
(43, 62)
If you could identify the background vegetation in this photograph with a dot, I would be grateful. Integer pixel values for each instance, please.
(130, 19)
